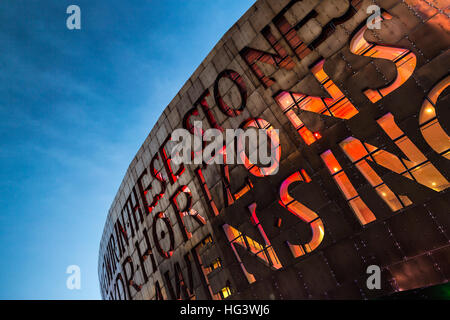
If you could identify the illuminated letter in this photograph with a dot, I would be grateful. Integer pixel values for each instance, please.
(275, 149)
(165, 254)
(416, 167)
(358, 154)
(173, 176)
(130, 276)
(302, 212)
(143, 191)
(405, 61)
(359, 207)
(240, 83)
(181, 285)
(187, 211)
(206, 193)
(337, 106)
(279, 60)
(143, 256)
(430, 127)
(265, 252)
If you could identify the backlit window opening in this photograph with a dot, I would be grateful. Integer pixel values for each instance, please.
(226, 291)
(280, 60)
(361, 210)
(216, 264)
(431, 130)
(394, 201)
(405, 61)
(266, 254)
(412, 168)
(272, 134)
(338, 106)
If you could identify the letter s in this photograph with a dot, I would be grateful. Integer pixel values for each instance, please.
(302, 212)
(405, 61)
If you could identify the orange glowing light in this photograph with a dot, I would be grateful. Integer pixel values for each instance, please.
(362, 212)
(226, 292)
(430, 127)
(304, 213)
(405, 61)
(337, 106)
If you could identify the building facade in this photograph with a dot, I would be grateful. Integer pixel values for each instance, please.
(361, 108)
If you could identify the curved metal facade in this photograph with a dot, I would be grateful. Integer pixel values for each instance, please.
(363, 177)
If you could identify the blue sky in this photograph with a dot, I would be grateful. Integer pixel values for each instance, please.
(75, 106)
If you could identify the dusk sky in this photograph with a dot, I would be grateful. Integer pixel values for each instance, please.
(75, 106)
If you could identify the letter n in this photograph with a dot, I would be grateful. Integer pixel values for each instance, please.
(280, 60)
(181, 284)
(264, 252)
